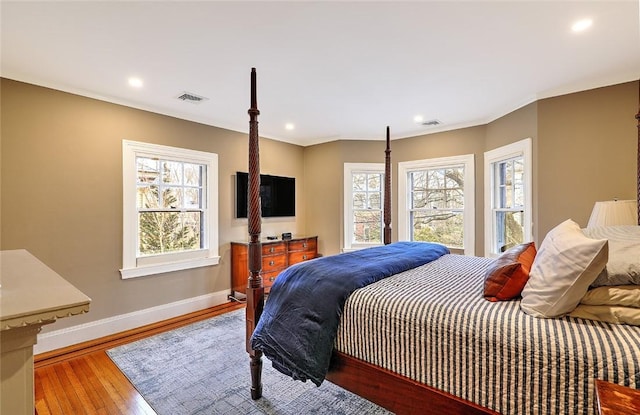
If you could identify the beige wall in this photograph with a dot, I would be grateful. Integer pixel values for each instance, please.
(322, 178)
(516, 126)
(61, 181)
(324, 169)
(584, 149)
(587, 145)
(324, 172)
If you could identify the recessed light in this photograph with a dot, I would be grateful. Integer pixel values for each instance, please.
(289, 126)
(581, 25)
(418, 119)
(135, 82)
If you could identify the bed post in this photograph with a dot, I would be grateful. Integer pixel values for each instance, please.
(255, 289)
(387, 192)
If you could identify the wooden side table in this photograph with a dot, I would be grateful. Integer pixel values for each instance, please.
(616, 399)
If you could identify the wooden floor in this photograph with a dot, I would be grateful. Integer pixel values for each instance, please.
(81, 379)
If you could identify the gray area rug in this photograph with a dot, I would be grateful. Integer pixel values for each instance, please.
(203, 368)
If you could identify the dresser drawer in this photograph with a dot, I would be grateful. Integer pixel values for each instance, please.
(268, 278)
(274, 248)
(309, 244)
(295, 257)
(274, 263)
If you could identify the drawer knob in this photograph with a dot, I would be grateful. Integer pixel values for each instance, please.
(304, 257)
(304, 245)
(272, 249)
(271, 262)
(272, 279)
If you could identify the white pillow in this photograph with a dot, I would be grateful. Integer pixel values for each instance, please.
(565, 266)
(623, 266)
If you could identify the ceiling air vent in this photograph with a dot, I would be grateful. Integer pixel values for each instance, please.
(431, 123)
(191, 97)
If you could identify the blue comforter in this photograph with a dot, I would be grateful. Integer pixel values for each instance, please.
(300, 320)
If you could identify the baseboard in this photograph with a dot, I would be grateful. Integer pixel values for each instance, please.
(93, 330)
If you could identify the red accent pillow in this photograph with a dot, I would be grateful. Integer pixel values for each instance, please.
(507, 275)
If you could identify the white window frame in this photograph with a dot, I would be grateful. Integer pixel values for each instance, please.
(406, 167)
(134, 266)
(522, 149)
(349, 170)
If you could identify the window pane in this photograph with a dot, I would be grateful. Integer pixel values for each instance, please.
(192, 198)
(518, 192)
(418, 180)
(193, 174)
(160, 232)
(518, 181)
(147, 170)
(442, 227)
(508, 196)
(374, 201)
(509, 229)
(367, 225)
(418, 200)
(435, 179)
(374, 181)
(172, 197)
(503, 183)
(454, 199)
(147, 197)
(454, 178)
(359, 181)
(359, 200)
(172, 172)
(436, 199)
(509, 180)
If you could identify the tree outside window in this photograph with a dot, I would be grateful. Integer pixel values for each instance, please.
(509, 203)
(363, 205)
(367, 207)
(169, 203)
(437, 206)
(436, 200)
(169, 209)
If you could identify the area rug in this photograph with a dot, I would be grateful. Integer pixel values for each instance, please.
(203, 368)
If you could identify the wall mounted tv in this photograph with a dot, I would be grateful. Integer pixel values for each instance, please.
(277, 193)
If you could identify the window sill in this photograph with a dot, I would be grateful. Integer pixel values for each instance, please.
(142, 271)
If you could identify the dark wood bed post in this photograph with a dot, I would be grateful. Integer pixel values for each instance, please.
(387, 192)
(255, 289)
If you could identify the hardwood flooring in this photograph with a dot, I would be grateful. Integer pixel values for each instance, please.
(81, 379)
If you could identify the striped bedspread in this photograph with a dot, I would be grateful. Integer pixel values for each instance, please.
(432, 324)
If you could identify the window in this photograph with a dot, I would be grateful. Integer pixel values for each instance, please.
(507, 197)
(363, 198)
(436, 201)
(170, 209)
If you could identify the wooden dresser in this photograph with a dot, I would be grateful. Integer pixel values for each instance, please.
(276, 256)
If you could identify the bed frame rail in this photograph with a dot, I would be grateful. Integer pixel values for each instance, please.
(394, 392)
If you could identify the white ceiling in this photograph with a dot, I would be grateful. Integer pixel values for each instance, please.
(337, 70)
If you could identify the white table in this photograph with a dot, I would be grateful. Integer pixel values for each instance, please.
(31, 295)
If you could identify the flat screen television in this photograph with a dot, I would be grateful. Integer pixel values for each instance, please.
(277, 193)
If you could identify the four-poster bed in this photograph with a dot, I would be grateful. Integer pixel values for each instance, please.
(398, 377)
